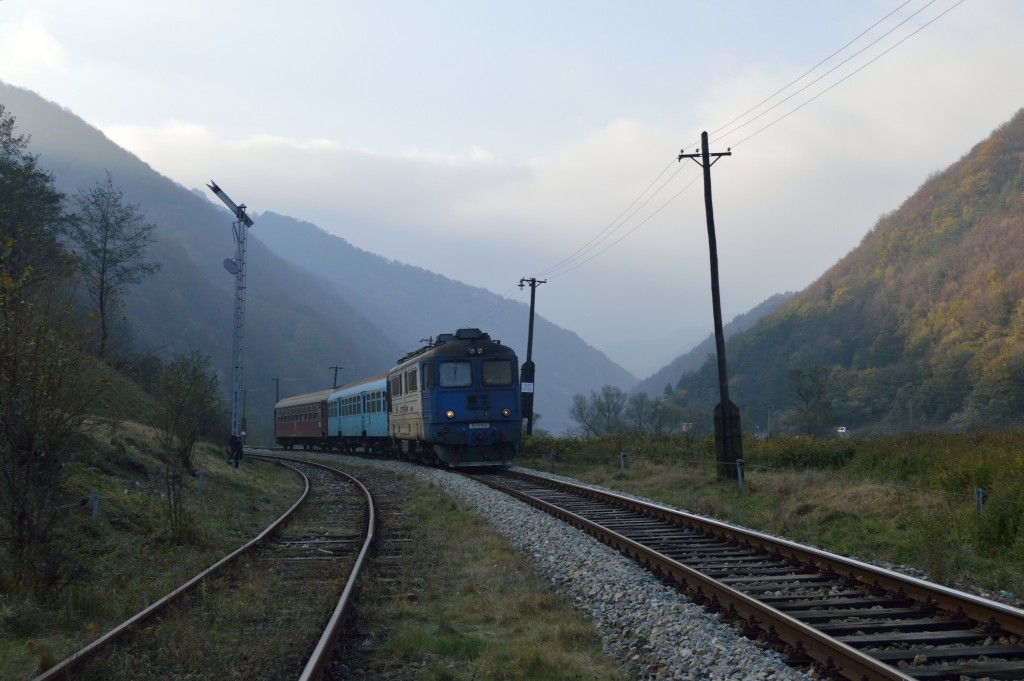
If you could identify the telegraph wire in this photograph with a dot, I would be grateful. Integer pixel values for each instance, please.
(501, 304)
(562, 267)
(837, 66)
(577, 259)
(506, 300)
(599, 237)
(810, 70)
(638, 225)
(854, 72)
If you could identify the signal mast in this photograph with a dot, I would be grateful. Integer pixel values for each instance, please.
(236, 266)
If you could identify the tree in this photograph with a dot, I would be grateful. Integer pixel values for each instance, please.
(32, 218)
(110, 237)
(600, 413)
(645, 415)
(43, 396)
(189, 395)
(815, 415)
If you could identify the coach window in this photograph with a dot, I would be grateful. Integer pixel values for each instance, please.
(455, 374)
(496, 372)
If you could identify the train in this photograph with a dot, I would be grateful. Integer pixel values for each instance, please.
(453, 402)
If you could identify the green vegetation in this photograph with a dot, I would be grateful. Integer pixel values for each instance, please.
(75, 435)
(921, 327)
(464, 604)
(110, 239)
(130, 555)
(908, 499)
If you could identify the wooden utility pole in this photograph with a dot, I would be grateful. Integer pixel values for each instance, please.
(529, 370)
(728, 433)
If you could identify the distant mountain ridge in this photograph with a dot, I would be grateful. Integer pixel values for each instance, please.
(693, 360)
(302, 317)
(920, 327)
(409, 302)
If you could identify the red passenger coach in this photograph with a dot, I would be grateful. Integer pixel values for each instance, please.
(301, 419)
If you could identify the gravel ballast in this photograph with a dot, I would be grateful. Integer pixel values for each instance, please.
(651, 629)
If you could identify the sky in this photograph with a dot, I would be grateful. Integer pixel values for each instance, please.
(491, 142)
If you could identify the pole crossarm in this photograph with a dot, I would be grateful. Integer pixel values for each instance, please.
(698, 156)
(336, 370)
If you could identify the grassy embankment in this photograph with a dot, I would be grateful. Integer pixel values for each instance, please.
(907, 500)
(473, 612)
(125, 559)
(463, 604)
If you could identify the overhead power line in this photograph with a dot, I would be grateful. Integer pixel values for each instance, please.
(811, 70)
(590, 250)
(854, 72)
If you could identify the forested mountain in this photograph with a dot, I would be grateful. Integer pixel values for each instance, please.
(920, 327)
(298, 320)
(693, 360)
(410, 303)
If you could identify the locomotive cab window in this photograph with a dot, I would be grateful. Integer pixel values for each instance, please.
(428, 375)
(455, 374)
(496, 372)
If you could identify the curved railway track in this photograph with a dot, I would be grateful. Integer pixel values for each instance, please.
(308, 559)
(842, 617)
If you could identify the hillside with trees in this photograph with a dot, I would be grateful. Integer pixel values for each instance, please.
(920, 327)
(663, 381)
(325, 304)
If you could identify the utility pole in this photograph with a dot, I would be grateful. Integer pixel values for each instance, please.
(242, 431)
(236, 266)
(526, 379)
(728, 433)
(277, 390)
(336, 370)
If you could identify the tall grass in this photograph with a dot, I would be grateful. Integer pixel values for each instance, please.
(908, 499)
(463, 604)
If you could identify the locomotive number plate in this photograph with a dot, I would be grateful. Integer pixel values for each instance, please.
(479, 425)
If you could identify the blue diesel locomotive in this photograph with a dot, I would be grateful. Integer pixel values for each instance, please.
(454, 401)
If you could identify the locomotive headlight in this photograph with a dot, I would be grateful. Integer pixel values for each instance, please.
(505, 412)
(450, 414)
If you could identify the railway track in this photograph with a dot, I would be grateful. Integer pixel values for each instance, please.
(841, 617)
(272, 609)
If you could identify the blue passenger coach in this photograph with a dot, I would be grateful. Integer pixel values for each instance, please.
(357, 415)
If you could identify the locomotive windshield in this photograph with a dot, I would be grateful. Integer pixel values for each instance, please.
(455, 374)
(497, 372)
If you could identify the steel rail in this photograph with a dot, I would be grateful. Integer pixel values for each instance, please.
(321, 652)
(973, 607)
(65, 666)
(835, 656)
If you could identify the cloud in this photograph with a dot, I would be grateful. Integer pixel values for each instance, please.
(28, 50)
(471, 205)
(471, 216)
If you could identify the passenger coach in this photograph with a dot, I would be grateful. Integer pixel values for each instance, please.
(357, 415)
(302, 420)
